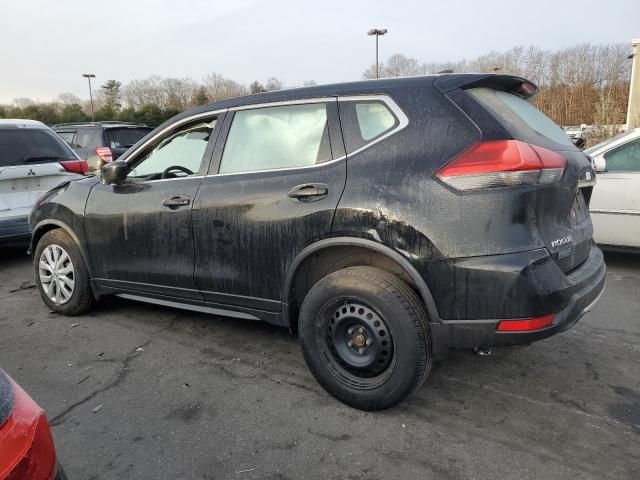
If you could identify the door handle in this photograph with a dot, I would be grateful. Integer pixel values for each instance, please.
(176, 201)
(309, 191)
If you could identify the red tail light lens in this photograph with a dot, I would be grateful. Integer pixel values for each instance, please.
(75, 166)
(525, 324)
(502, 163)
(105, 154)
(26, 446)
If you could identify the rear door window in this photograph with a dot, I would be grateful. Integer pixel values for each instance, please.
(277, 137)
(625, 158)
(125, 137)
(23, 146)
(364, 121)
(521, 118)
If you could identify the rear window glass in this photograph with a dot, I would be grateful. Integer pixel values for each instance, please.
(125, 137)
(23, 146)
(517, 115)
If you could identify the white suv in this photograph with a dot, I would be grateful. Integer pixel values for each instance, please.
(33, 159)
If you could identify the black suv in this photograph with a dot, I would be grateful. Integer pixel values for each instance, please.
(101, 142)
(387, 221)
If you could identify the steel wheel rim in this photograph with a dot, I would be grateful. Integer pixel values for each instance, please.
(360, 370)
(57, 275)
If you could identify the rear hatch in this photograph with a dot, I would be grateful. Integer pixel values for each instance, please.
(32, 161)
(561, 196)
(120, 139)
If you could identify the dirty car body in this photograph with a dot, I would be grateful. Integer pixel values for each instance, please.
(449, 183)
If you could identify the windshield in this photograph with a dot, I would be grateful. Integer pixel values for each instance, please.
(125, 137)
(608, 141)
(21, 146)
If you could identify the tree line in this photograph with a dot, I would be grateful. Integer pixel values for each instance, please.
(150, 100)
(582, 84)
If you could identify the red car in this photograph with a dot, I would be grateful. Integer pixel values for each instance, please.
(26, 446)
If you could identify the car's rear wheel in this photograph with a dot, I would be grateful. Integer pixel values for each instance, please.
(365, 337)
(61, 275)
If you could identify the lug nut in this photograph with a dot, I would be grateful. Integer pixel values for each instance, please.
(350, 331)
(361, 350)
(369, 341)
(349, 343)
(361, 330)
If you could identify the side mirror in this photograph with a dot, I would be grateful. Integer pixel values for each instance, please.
(114, 173)
(579, 142)
(599, 164)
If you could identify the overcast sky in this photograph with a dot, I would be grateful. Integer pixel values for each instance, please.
(46, 45)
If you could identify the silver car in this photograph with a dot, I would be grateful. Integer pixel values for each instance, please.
(615, 203)
(33, 159)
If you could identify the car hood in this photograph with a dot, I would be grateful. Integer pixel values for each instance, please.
(6, 398)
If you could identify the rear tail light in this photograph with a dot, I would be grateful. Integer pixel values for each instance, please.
(502, 163)
(75, 166)
(525, 324)
(104, 153)
(27, 451)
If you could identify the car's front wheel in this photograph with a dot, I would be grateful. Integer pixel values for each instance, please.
(365, 337)
(61, 275)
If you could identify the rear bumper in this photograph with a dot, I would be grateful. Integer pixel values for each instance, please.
(14, 231)
(569, 297)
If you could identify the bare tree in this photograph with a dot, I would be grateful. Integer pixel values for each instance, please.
(219, 87)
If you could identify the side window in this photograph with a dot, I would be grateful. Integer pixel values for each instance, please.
(364, 121)
(277, 137)
(625, 158)
(87, 138)
(178, 154)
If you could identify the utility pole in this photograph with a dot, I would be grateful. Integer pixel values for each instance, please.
(89, 76)
(377, 32)
(633, 109)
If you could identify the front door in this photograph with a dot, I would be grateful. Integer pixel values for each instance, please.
(139, 233)
(615, 204)
(272, 190)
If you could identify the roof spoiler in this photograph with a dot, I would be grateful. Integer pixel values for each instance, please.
(509, 83)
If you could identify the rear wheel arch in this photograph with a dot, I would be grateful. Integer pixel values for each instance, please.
(329, 255)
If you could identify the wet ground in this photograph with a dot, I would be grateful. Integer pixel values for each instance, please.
(143, 392)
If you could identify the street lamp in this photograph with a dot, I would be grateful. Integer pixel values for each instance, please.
(89, 76)
(377, 32)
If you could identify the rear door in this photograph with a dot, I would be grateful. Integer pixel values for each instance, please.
(29, 167)
(561, 207)
(272, 190)
(615, 206)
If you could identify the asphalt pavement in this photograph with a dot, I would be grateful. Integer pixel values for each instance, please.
(144, 392)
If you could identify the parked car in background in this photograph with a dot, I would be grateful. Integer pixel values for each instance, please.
(101, 142)
(615, 204)
(27, 451)
(574, 131)
(461, 225)
(33, 159)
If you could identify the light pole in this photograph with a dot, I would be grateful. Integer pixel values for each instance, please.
(89, 76)
(377, 32)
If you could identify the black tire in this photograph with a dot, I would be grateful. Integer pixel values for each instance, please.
(346, 310)
(81, 298)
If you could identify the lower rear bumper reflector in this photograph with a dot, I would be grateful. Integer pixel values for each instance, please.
(525, 324)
